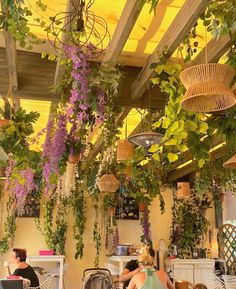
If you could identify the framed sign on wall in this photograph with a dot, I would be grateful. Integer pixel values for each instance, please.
(127, 209)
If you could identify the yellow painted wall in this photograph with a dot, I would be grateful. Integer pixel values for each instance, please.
(27, 236)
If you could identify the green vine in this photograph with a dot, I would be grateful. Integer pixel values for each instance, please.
(97, 239)
(79, 209)
(9, 226)
(15, 18)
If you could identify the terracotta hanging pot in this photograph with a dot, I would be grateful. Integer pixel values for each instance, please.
(183, 190)
(74, 159)
(142, 207)
(125, 150)
(4, 122)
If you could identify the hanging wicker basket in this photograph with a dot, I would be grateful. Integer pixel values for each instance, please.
(231, 163)
(208, 87)
(183, 190)
(108, 183)
(125, 150)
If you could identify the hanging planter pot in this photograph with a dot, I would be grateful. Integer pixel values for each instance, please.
(108, 183)
(4, 122)
(125, 150)
(142, 207)
(231, 163)
(74, 159)
(208, 87)
(183, 190)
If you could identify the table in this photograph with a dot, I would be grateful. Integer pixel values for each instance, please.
(121, 260)
(50, 258)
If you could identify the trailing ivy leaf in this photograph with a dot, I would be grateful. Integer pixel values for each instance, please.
(155, 80)
(201, 163)
(172, 157)
(171, 142)
(154, 148)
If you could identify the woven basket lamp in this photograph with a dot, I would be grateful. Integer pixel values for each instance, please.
(125, 150)
(208, 87)
(108, 183)
(183, 190)
(231, 163)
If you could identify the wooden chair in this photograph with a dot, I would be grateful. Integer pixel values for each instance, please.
(180, 284)
(200, 286)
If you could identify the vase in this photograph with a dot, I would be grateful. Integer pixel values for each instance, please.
(73, 159)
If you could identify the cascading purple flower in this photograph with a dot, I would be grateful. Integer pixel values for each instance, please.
(146, 226)
(54, 148)
(19, 184)
(79, 105)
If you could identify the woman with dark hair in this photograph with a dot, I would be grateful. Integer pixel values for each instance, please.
(24, 270)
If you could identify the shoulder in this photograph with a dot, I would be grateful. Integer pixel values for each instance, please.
(132, 264)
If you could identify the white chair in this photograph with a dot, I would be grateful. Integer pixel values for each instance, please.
(46, 284)
(212, 281)
(230, 281)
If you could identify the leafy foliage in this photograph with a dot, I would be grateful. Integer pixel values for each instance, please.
(189, 223)
(15, 17)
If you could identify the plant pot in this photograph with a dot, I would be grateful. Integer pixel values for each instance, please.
(73, 159)
(142, 207)
(4, 122)
(2, 171)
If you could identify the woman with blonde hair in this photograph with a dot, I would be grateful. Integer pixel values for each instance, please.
(149, 278)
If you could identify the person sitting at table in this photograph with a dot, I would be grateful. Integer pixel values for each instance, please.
(149, 277)
(132, 268)
(24, 270)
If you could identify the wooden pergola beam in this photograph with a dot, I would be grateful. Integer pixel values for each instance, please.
(190, 168)
(123, 29)
(181, 25)
(11, 60)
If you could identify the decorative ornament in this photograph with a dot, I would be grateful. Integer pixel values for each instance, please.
(108, 183)
(208, 87)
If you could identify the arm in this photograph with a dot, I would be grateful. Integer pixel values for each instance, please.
(127, 274)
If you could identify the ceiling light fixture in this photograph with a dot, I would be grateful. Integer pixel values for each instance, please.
(146, 139)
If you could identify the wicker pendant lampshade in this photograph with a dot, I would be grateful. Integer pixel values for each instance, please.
(125, 150)
(208, 87)
(183, 190)
(108, 183)
(231, 163)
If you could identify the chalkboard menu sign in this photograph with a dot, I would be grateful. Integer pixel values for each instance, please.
(127, 209)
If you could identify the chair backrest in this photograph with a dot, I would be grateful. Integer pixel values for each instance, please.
(230, 281)
(200, 286)
(212, 281)
(46, 284)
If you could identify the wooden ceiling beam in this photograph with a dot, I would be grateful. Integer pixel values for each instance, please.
(123, 29)
(180, 26)
(191, 167)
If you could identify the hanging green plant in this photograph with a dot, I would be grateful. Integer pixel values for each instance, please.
(189, 223)
(54, 226)
(9, 225)
(15, 17)
(97, 239)
(79, 211)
